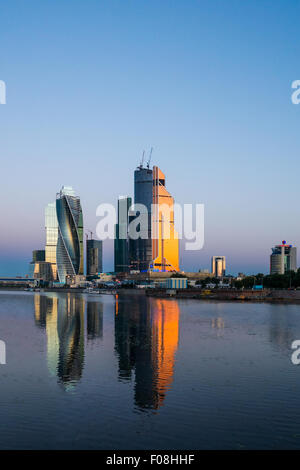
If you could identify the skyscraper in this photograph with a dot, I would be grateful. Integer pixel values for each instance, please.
(157, 248)
(143, 198)
(93, 257)
(69, 253)
(218, 266)
(165, 243)
(51, 227)
(283, 259)
(121, 245)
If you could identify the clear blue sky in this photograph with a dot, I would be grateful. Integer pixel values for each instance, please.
(92, 83)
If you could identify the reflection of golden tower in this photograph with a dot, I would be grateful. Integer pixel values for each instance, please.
(146, 341)
(165, 243)
(165, 336)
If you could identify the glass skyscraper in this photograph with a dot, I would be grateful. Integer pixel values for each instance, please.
(93, 257)
(165, 242)
(157, 249)
(69, 252)
(121, 246)
(51, 237)
(143, 195)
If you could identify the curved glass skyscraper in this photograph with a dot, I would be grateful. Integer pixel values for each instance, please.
(69, 251)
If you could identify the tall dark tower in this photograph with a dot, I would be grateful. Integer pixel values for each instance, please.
(121, 246)
(93, 257)
(143, 194)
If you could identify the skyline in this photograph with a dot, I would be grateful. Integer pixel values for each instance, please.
(85, 231)
(214, 100)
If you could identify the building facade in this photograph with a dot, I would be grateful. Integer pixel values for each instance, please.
(218, 266)
(165, 242)
(43, 271)
(176, 283)
(93, 257)
(283, 259)
(157, 248)
(141, 248)
(121, 243)
(69, 252)
(51, 227)
(38, 255)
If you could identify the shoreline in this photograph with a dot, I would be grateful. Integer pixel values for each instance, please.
(228, 295)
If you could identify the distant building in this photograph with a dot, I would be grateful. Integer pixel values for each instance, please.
(69, 252)
(176, 283)
(75, 280)
(51, 227)
(218, 266)
(283, 259)
(43, 271)
(38, 255)
(93, 257)
(121, 245)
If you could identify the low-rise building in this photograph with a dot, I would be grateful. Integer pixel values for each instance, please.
(43, 271)
(176, 283)
(76, 280)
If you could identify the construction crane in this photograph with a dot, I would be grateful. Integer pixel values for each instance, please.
(87, 236)
(149, 159)
(142, 161)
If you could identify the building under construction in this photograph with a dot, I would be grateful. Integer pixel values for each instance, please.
(157, 247)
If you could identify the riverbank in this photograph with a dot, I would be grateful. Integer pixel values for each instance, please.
(73, 290)
(265, 295)
(232, 295)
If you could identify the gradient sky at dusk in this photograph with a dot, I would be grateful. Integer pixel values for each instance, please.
(92, 83)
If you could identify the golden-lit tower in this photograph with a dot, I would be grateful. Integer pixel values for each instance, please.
(165, 242)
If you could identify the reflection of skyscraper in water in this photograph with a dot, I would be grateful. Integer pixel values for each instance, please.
(63, 318)
(165, 336)
(146, 341)
(280, 327)
(218, 324)
(52, 337)
(42, 307)
(70, 326)
(94, 320)
(126, 334)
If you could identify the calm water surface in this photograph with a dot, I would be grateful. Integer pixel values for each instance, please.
(100, 372)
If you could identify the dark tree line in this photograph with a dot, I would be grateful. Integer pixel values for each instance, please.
(291, 279)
